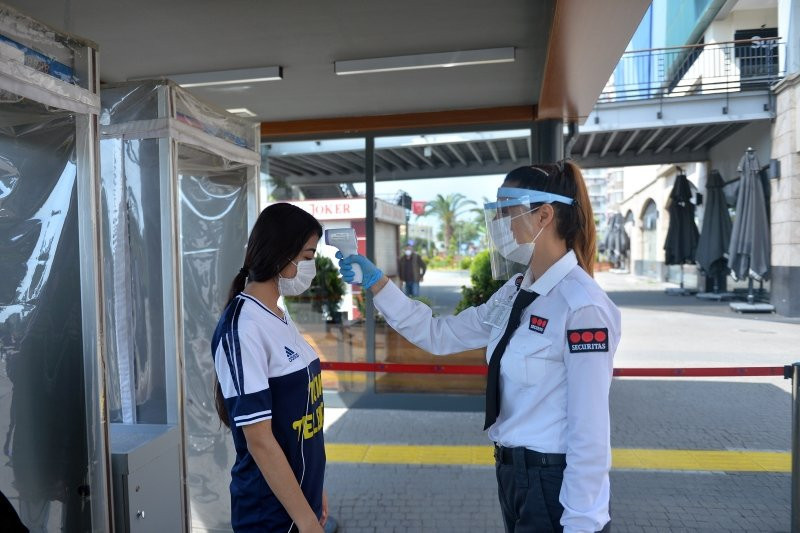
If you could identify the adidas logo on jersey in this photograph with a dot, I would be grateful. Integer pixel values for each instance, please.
(292, 355)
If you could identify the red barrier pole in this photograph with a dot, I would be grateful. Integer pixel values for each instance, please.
(481, 370)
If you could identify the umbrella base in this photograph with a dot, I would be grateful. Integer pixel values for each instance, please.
(679, 291)
(716, 296)
(742, 307)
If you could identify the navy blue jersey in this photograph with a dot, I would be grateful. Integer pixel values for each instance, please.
(267, 371)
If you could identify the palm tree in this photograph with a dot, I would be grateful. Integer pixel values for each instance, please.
(448, 209)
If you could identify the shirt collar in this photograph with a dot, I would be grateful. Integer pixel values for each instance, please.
(552, 276)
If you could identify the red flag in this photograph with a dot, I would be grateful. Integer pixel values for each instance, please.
(418, 208)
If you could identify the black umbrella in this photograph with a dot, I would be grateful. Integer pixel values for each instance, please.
(682, 235)
(617, 244)
(712, 249)
(681, 243)
(748, 255)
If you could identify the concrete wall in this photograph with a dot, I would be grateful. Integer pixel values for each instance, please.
(785, 199)
(726, 155)
(746, 19)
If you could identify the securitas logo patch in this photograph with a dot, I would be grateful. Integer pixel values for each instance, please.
(291, 354)
(588, 340)
(537, 324)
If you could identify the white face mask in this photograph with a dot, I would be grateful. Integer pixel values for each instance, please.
(408, 253)
(503, 239)
(306, 271)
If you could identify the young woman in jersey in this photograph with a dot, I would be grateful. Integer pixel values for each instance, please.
(550, 334)
(269, 390)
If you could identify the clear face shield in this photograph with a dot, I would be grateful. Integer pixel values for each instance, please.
(511, 229)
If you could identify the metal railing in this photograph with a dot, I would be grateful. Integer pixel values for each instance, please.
(732, 66)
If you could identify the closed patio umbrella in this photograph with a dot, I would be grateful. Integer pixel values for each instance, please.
(682, 234)
(617, 243)
(748, 254)
(715, 237)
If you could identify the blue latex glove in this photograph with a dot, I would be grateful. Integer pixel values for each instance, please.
(370, 273)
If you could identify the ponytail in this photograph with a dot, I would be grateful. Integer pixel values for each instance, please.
(584, 241)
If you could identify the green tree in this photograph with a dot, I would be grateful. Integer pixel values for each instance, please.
(447, 209)
(482, 283)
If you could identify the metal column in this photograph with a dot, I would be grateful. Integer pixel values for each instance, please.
(793, 371)
(369, 308)
(547, 141)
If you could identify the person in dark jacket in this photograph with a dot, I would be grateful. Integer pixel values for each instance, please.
(411, 269)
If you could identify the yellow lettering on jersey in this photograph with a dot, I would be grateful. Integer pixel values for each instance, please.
(297, 425)
(315, 388)
(309, 425)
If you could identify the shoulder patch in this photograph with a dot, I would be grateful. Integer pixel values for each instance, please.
(587, 340)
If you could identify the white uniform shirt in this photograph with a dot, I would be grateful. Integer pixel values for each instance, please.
(555, 374)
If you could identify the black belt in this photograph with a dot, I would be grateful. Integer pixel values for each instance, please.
(505, 456)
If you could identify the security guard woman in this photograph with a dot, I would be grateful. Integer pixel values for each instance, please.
(551, 333)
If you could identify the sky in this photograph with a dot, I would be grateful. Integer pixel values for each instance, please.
(473, 187)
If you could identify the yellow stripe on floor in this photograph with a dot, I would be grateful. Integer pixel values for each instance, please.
(622, 458)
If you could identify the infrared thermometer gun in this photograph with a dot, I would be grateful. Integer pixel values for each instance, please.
(345, 240)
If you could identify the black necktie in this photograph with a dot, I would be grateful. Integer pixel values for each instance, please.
(523, 300)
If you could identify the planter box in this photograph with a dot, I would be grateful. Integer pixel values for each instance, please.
(399, 350)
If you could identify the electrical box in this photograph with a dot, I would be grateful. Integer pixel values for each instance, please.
(145, 465)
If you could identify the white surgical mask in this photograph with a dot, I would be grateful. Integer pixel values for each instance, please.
(408, 253)
(306, 271)
(507, 246)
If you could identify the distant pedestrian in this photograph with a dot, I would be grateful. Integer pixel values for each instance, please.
(411, 269)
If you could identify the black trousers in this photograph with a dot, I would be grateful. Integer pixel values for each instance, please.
(529, 493)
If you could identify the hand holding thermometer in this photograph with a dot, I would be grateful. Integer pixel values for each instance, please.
(345, 240)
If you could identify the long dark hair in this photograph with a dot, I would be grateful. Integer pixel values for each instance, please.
(574, 223)
(277, 238)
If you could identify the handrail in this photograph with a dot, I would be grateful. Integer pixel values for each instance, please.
(722, 67)
(779, 40)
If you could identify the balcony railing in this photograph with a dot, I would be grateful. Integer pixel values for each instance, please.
(732, 66)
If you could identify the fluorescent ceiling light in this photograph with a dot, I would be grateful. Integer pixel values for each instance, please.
(241, 111)
(228, 77)
(419, 61)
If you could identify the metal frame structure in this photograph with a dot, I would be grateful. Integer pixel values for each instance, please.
(81, 98)
(173, 129)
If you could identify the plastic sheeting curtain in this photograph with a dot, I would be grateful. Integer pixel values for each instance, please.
(214, 230)
(132, 216)
(43, 422)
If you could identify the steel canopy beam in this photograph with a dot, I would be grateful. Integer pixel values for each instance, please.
(689, 138)
(511, 151)
(456, 152)
(493, 150)
(608, 143)
(628, 141)
(647, 142)
(588, 146)
(475, 152)
(668, 140)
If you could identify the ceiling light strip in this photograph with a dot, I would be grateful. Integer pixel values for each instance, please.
(228, 77)
(421, 61)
